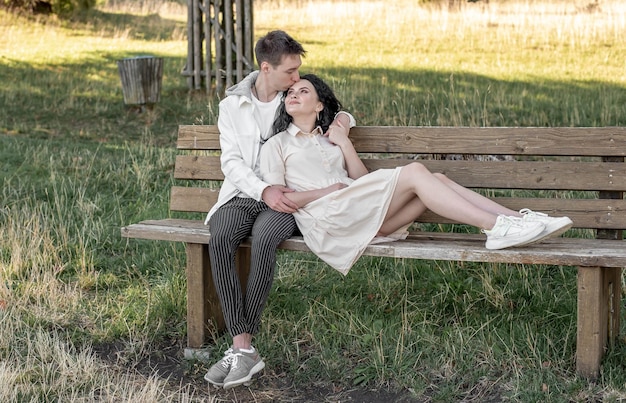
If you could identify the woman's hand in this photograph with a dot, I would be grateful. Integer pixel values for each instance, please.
(338, 133)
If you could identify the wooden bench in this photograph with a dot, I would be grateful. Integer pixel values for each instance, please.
(578, 172)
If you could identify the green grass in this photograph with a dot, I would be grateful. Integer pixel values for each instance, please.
(76, 165)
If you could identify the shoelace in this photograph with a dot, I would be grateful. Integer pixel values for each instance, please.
(506, 222)
(229, 356)
(235, 360)
(529, 212)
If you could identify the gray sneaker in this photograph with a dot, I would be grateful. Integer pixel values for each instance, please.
(242, 367)
(220, 370)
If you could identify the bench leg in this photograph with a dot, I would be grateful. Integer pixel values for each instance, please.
(203, 305)
(599, 297)
(199, 283)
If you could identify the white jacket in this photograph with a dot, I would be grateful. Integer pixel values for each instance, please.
(240, 141)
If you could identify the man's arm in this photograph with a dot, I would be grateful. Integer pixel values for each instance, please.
(239, 143)
(346, 119)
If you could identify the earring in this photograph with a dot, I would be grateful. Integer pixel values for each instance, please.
(318, 115)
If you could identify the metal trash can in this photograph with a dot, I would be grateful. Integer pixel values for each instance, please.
(141, 79)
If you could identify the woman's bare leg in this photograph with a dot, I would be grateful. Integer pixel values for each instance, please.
(416, 180)
(401, 213)
(476, 198)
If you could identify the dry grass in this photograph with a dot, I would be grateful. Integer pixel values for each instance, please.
(75, 166)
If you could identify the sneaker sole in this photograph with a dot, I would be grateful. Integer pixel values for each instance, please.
(551, 233)
(257, 368)
(500, 244)
(212, 382)
(216, 384)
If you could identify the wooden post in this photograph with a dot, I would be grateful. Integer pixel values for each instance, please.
(228, 40)
(599, 294)
(248, 35)
(239, 39)
(208, 40)
(227, 27)
(197, 45)
(219, 47)
(199, 288)
(190, 40)
(599, 299)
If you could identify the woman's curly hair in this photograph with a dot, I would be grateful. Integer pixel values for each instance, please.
(325, 95)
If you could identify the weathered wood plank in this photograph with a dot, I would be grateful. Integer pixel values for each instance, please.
(586, 213)
(580, 141)
(198, 167)
(534, 175)
(547, 175)
(199, 200)
(431, 246)
(198, 137)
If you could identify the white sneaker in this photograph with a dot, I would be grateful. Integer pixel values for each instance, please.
(509, 231)
(554, 226)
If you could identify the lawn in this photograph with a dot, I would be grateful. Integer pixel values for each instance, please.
(86, 315)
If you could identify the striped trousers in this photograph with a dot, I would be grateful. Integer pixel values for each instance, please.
(229, 226)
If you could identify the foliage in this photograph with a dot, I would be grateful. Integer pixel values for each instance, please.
(61, 7)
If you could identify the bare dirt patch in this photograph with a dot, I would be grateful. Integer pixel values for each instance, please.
(168, 363)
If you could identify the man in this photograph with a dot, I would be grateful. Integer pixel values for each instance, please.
(248, 206)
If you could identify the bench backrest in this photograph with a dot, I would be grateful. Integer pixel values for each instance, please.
(578, 172)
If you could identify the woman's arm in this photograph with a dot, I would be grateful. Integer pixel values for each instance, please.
(272, 166)
(338, 135)
(307, 196)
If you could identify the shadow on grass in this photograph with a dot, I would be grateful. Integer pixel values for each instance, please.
(449, 98)
(150, 27)
(84, 100)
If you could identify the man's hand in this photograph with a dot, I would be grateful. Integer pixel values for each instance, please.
(274, 197)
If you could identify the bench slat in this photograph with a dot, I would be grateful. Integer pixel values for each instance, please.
(586, 213)
(428, 245)
(201, 137)
(193, 200)
(198, 167)
(547, 175)
(532, 175)
(580, 141)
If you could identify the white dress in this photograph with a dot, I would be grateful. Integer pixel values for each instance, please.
(339, 226)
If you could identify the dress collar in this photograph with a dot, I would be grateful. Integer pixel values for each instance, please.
(294, 130)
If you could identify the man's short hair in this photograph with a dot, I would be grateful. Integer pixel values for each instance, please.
(274, 45)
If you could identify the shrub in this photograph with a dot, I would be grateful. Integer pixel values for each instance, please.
(48, 6)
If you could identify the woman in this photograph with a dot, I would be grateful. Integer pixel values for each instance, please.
(342, 207)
